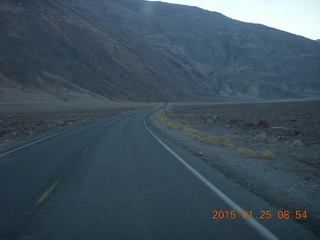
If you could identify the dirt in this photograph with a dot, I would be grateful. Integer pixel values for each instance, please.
(290, 129)
(21, 122)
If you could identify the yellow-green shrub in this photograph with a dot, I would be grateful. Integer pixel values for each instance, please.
(191, 132)
(264, 153)
(222, 141)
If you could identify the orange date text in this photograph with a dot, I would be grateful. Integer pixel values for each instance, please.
(281, 214)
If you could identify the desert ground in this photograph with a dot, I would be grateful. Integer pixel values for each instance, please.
(287, 174)
(269, 148)
(21, 122)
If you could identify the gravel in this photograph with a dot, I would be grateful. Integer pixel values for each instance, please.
(289, 181)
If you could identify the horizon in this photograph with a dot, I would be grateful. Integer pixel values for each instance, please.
(279, 14)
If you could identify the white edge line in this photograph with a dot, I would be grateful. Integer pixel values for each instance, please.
(264, 232)
(40, 140)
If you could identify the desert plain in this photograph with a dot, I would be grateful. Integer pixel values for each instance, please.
(270, 148)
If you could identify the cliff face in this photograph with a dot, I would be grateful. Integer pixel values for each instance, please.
(150, 51)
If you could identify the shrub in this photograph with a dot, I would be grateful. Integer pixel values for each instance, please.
(297, 143)
(264, 153)
(188, 115)
(165, 112)
(86, 120)
(209, 121)
(261, 137)
(247, 152)
(191, 132)
(167, 122)
(173, 125)
(222, 141)
(31, 133)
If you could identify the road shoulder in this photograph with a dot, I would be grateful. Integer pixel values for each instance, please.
(273, 183)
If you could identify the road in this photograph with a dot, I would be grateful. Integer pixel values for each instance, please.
(118, 179)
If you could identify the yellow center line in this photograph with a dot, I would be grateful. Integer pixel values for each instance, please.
(47, 193)
(84, 151)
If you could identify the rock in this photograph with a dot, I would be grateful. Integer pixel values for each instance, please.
(297, 132)
(233, 121)
(263, 124)
(5, 131)
(249, 124)
(40, 123)
(6, 141)
(21, 127)
(201, 154)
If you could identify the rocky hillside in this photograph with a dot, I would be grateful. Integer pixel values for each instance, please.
(146, 51)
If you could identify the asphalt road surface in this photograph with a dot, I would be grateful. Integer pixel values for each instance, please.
(118, 179)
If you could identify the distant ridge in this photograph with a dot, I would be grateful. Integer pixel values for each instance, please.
(147, 51)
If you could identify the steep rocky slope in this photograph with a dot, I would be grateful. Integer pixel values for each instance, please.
(149, 51)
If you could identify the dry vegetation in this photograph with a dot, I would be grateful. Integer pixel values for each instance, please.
(285, 135)
(264, 153)
(273, 126)
(221, 141)
(187, 130)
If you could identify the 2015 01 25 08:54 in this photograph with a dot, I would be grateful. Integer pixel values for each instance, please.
(281, 214)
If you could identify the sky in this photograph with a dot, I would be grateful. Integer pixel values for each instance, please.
(301, 17)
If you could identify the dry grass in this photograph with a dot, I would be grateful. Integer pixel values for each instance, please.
(191, 132)
(264, 153)
(87, 120)
(222, 141)
(161, 116)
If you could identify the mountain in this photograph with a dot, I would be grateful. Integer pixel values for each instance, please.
(147, 51)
